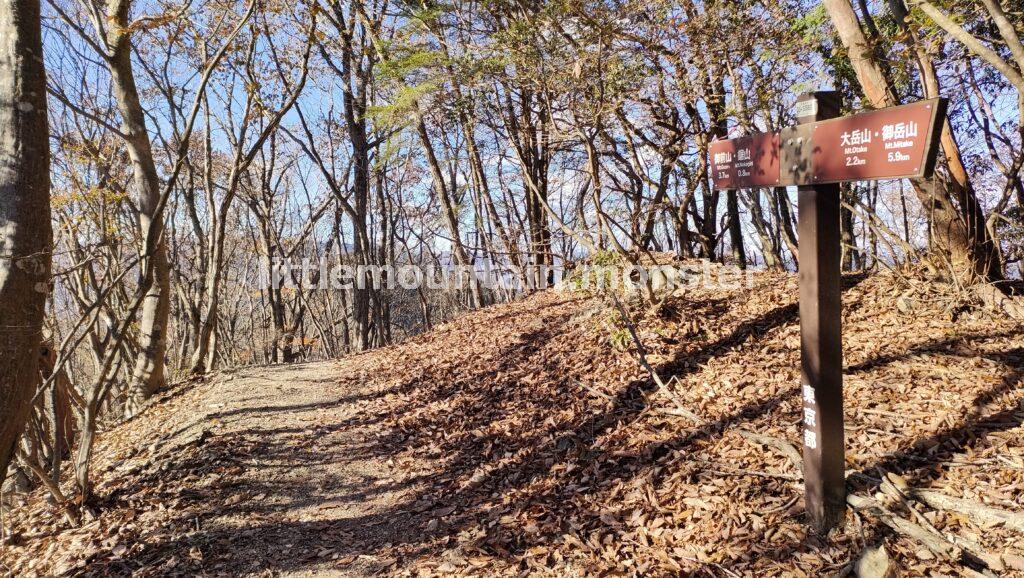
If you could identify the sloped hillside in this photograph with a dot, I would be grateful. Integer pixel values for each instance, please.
(526, 439)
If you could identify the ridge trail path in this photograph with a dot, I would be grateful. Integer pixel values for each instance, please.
(520, 441)
(330, 492)
(396, 461)
(298, 487)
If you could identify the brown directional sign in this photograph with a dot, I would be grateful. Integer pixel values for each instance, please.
(889, 143)
(745, 162)
(816, 155)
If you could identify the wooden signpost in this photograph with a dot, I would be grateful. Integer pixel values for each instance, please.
(817, 154)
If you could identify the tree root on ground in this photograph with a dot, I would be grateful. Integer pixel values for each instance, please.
(67, 507)
(981, 514)
(995, 299)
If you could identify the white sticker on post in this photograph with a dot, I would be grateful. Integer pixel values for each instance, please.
(806, 108)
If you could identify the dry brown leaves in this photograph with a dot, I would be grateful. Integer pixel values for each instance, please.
(533, 445)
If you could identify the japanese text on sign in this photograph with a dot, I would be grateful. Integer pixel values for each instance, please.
(888, 143)
(750, 161)
(896, 142)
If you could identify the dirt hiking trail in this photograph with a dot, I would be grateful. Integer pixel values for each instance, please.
(526, 440)
(273, 476)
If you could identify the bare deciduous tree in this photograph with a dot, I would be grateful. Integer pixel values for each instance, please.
(25, 230)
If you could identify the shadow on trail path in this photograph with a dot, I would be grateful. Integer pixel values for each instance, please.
(303, 476)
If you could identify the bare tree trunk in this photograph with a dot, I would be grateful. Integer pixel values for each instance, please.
(202, 357)
(356, 69)
(851, 257)
(739, 254)
(957, 220)
(451, 217)
(762, 228)
(528, 131)
(148, 375)
(61, 417)
(205, 356)
(786, 222)
(483, 189)
(26, 237)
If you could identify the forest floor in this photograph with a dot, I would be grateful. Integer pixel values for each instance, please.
(526, 439)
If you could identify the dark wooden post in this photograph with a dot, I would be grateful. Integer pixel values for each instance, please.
(821, 336)
(818, 153)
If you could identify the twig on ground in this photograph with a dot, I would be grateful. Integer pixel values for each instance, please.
(937, 544)
(69, 514)
(962, 552)
(719, 470)
(782, 445)
(594, 391)
(680, 409)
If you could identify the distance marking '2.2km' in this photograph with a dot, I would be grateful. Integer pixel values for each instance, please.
(891, 143)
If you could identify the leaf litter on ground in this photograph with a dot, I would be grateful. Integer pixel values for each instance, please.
(526, 439)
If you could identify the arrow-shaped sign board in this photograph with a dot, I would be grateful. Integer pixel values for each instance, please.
(746, 162)
(891, 143)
